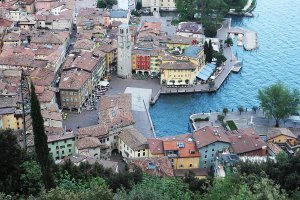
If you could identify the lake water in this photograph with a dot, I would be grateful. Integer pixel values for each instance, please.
(277, 24)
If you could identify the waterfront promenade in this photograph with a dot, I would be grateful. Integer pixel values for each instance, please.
(220, 79)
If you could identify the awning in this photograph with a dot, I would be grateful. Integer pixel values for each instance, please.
(170, 83)
(206, 71)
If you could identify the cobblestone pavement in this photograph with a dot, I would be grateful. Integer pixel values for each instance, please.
(118, 85)
(86, 118)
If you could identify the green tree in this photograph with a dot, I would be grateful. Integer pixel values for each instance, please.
(241, 109)
(220, 58)
(210, 29)
(153, 187)
(186, 9)
(11, 156)
(254, 109)
(228, 42)
(125, 179)
(206, 52)
(106, 3)
(220, 118)
(40, 140)
(31, 178)
(139, 5)
(278, 101)
(210, 52)
(225, 111)
(101, 4)
(95, 188)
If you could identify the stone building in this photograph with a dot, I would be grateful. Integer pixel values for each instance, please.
(124, 52)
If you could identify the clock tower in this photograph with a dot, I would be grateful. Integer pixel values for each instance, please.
(124, 52)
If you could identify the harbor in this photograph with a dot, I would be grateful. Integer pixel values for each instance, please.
(261, 67)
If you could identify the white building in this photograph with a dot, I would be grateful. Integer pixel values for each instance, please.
(124, 52)
(119, 16)
(88, 146)
(156, 5)
(127, 4)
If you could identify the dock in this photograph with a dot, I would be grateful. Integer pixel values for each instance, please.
(250, 41)
(236, 69)
(155, 98)
(250, 38)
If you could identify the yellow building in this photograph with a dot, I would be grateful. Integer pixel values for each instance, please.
(195, 54)
(183, 154)
(179, 73)
(179, 42)
(281, 135)
(8, 119)
(110, 56)
(132, 144)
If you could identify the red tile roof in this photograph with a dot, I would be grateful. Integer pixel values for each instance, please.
(159, 166)
(88, 142)
(209, 135)
(73, 79)
(155, 146)
(189, 149)
(245, 141)
(5, 22)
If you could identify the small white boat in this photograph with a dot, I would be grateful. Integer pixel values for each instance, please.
(240, 43)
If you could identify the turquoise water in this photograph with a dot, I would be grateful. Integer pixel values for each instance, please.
(277, 59)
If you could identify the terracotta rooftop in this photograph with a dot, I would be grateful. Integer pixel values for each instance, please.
(59, 137)
(92, 12)
(42, 77)
(92, 131)
(51, 115)
(48, 37)
(274, 132)
(188, 149)
(155, 146)
(180, 40)
(88, 142)
(245, 141)
(85, 44)
(47, 96)
(115, 111)
(153, 27)
(5, 22)
(6, 102)
(85, 61)
(178, 65)
(209, 135)
(51, 130)
(73, 79)
(189, 27)
(274, 148)
(106, 48)
(159, 166)
(133, 138)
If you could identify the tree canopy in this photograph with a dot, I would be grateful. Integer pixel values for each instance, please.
(278, 101)
(10, 159)
(106, 3)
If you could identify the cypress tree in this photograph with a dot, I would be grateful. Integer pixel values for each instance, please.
(210, 51)
(40, 140)
(206, 51)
